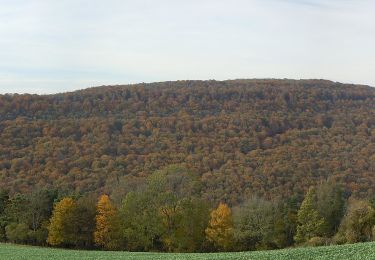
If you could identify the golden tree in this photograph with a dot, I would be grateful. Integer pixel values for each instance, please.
(58, 229)
(220, 227)
(105, 218)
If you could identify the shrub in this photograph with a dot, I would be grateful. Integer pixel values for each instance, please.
(318, 241)
(17, 233)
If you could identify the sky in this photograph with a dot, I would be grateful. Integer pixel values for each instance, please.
(56, 46)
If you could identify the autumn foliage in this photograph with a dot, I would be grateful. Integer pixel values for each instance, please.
(105, 220)
(59, 230)
(266, 137)
(220, 227)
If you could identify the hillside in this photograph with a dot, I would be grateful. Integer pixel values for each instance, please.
(355, 251)
(243, 137)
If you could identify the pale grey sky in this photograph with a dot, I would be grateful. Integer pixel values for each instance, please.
(55, 46)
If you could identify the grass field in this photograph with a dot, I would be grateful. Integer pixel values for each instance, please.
(356, 251)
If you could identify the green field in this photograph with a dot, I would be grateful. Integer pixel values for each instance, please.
(356, 251)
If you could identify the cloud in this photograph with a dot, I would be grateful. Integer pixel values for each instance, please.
(54, 46)
(319, 4)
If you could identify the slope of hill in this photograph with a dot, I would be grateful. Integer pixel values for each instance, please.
(354, 251)
(243, 137)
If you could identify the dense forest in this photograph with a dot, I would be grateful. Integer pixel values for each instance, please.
(270, 138)
(189, 166)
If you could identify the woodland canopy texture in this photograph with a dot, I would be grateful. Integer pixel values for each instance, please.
(241, 138)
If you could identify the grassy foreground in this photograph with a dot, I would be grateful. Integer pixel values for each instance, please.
(356, 251)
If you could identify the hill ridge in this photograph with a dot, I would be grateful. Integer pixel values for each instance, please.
(243, 137)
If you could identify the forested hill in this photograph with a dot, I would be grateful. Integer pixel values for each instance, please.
(243, 137)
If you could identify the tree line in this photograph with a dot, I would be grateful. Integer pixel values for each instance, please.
(167, 213)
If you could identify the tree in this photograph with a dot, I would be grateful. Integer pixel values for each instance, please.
(169, 209)
(142, 224)
(189, 235)
(107, 224)
(61, 228)
(154, 217)
(330, 205)
(17, 208)
(4, 200)
(358, 223)
(220, 227)
(39, 210)
(181, 181)
(72, 223)
(17, 233)
(289, 211)
(40, 207)
(310, 223)
(83, 215)
(175, 191)
(254, 224)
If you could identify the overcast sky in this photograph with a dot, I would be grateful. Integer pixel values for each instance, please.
(61, 45)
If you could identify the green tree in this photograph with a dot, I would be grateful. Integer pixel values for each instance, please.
(254, 223)
(39, 210)
(330, 205)
(190, 229)
(17, 208)
(4, 200)
(40, 207)
(154, 217)
(310, 223)
(17, 233)
(287, 218)
(142, 224)
(83, 216)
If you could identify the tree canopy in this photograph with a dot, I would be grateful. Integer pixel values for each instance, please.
(242, 137)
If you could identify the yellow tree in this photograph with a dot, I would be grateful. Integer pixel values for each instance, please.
(59, 228)
(105, 222)
(220, 227)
